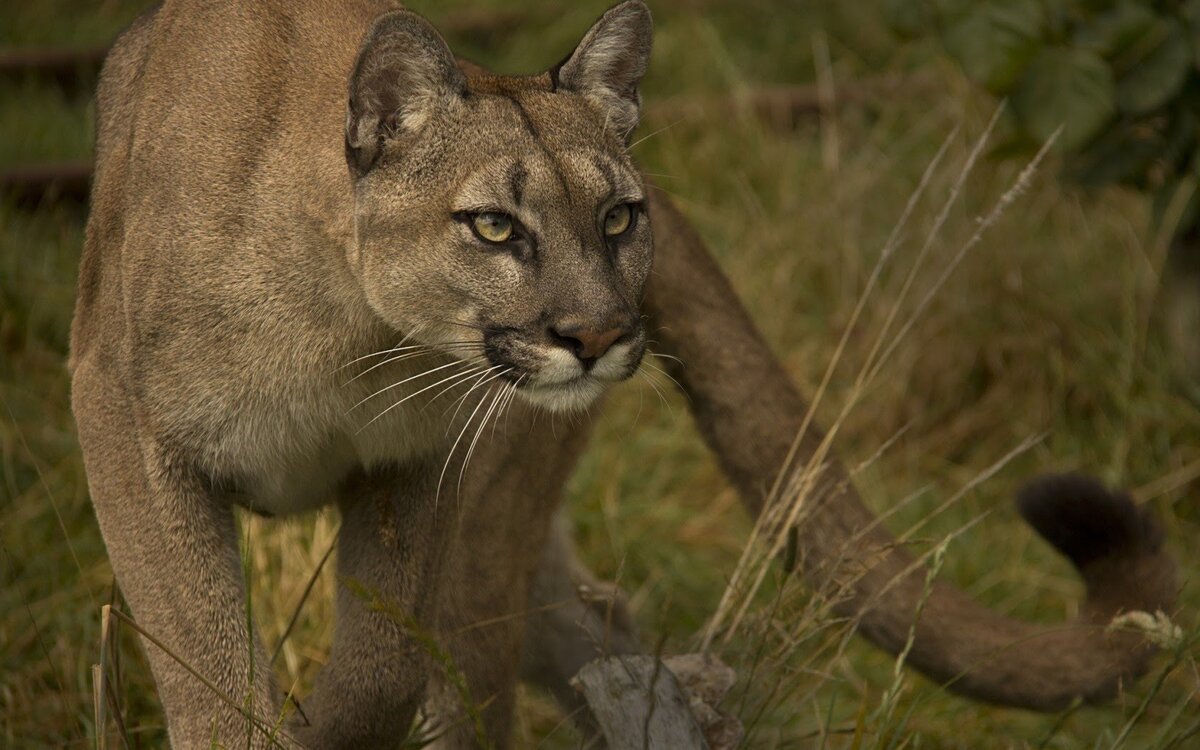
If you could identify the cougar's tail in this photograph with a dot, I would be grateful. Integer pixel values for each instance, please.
(1117, 548)
(749, 413)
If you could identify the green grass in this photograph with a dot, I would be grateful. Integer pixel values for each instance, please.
(1049, 327)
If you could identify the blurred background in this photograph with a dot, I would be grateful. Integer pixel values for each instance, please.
(1063, 337)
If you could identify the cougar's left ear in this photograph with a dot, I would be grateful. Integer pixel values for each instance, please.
(607, 66)
(404, 74)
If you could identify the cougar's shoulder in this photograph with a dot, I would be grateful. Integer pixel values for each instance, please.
(214, 284)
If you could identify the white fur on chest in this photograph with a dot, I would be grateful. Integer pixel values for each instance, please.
(288, 449)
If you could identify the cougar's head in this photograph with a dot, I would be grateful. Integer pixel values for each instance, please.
(501, 219)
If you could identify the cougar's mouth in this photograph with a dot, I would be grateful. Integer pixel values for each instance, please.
(557, 380)
(572, 395)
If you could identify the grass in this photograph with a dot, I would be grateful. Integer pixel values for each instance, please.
(1049, 327)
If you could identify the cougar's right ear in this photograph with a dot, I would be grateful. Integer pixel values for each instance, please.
(405, 72)
(608, 65)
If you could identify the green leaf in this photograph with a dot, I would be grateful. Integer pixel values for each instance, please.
(1165, 200)
(1057, 20)
(1112, 32)
(908, 18)
(949, 11)
(1160, 65)
(1122, 154)
(1179, 136)
(1016, 145)
(1191, 14)
(1066, 87)
(996, 40)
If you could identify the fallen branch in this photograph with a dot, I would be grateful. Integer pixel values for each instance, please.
(66, 67)
(34, 185)
(783, 107)
(642, 701)
(72, 67)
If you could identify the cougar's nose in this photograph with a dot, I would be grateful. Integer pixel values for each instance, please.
(589, 343)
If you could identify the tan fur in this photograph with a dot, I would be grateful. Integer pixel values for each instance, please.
(252, 234)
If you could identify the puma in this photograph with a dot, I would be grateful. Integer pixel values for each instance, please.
(286, 189)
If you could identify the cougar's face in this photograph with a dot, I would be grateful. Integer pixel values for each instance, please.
(527, 250)
(501, 219)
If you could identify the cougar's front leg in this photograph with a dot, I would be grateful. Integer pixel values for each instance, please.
(174, 550)
(391, 548)
(515, 483)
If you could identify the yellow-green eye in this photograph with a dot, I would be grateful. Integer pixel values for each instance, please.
(492, 226)
(618, 220)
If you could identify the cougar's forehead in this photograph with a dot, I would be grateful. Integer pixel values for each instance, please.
(544, 151)
(533, 182)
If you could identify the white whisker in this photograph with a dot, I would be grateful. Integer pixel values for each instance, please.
(466, 376)
(405, 380)
(380, 353)
(657, 390)
(665, 374)
(463, 398)
(400, 347)
(482, 426)
(438, 493)
(463, 375)
(409, 355)
(504, 408)
(645, 138)
(513, 397)
(660, 355)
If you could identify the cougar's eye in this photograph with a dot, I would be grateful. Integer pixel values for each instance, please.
(493, 227)
(619, 219)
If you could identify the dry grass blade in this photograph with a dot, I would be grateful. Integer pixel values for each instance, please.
(98, 707)
(1176, 480)
(308, 587)
(803, 480)
(931, 236)
(748, 559)
(62, 526)
(889, 247)
(1024, 179)
(888, 702)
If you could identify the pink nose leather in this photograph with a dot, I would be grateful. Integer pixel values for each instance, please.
(588, 343)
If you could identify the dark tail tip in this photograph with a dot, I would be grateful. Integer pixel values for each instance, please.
(1087, 522)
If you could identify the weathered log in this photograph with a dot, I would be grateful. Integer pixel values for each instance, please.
(642, 702)
(782, 107)
(69, 68)
(33, 185)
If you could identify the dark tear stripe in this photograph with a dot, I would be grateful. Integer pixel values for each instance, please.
(516, 181)
(615, 275)
(537, 137)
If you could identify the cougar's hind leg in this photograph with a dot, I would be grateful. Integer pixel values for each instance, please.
(174, 550)
(390, 559)
(573, 619)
